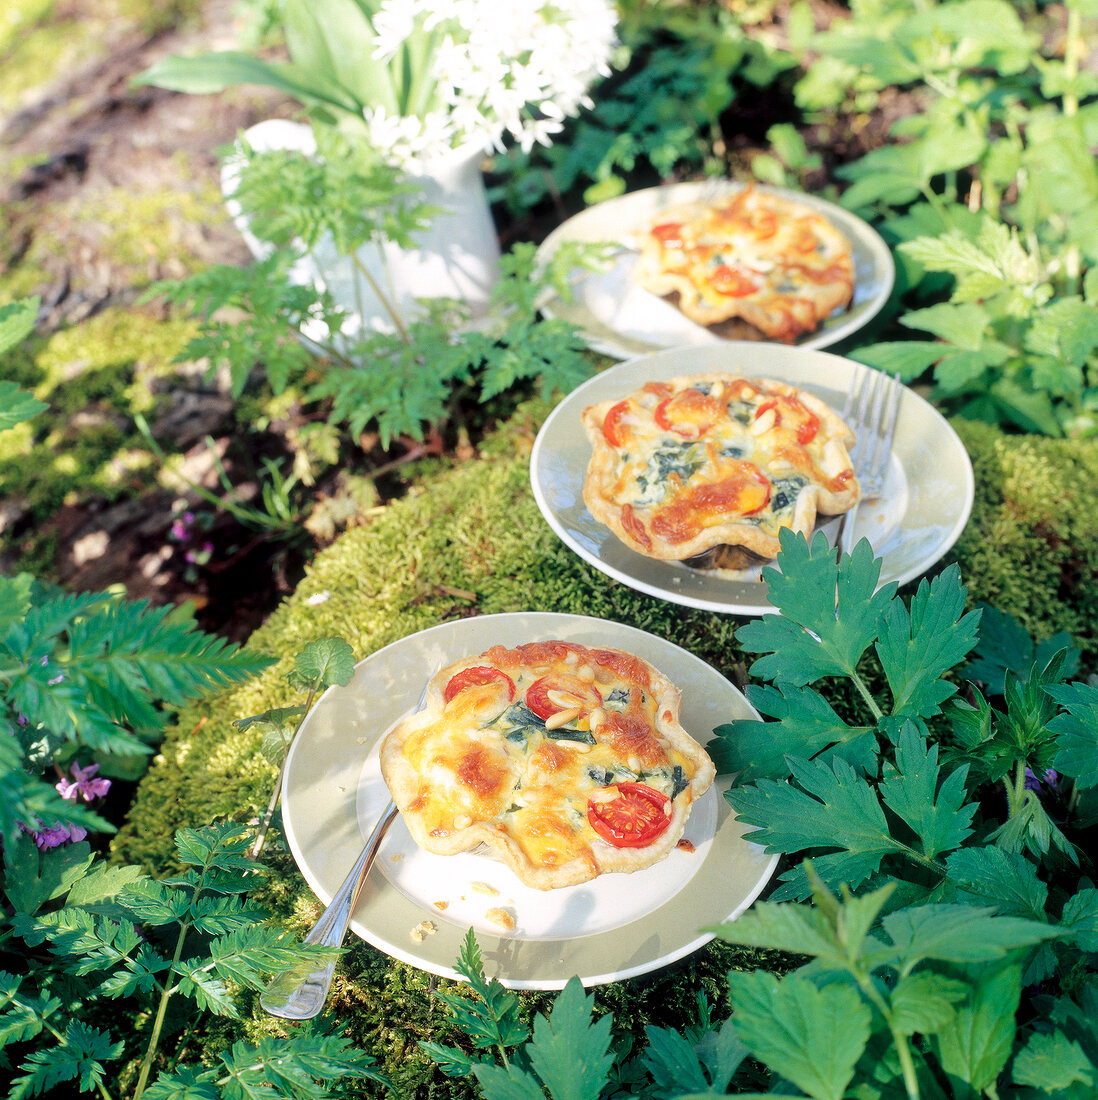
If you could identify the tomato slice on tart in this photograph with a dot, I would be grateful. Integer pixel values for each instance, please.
(688, 413)
(613, 430)
(559, 691)
(633, 818)
(478, 676)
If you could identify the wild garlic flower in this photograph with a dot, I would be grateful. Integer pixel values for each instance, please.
(486, 72)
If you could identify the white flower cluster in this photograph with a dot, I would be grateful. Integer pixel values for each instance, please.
(495, 69)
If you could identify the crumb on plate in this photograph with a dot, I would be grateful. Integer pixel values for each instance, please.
(422, 930)
(440, 905)
(685, 845)
(502, 918)
(484, 888)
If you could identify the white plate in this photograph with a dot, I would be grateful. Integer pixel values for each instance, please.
(612, 928)
(622, 320)
(923, 509)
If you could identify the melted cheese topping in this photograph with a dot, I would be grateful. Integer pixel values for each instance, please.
(691, 457)
(753, 245)
(488, 757)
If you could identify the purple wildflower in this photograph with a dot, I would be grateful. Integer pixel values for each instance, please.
(1050, 779)
(53, 836)
(85, 783)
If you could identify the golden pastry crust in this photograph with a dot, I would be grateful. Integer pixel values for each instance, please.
(707, 461)
(516, 749)
(777, 264)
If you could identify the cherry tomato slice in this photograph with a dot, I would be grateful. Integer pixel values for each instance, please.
(540, 702)
(731, 282)
(689, 413)
(669, 234)
(632, 820)
(612, 429)
(476, 676)
(808, 429)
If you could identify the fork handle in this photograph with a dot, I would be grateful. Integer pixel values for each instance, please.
(847, 523)
(300, 996)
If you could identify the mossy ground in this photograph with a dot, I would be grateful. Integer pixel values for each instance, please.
(472, 541)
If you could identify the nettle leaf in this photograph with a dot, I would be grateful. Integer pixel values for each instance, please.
(1065, 329)
(808, 640)
(812, 930)
(1006, 881)
(908, 358)
(325, 662)
(789, 1024)
(1076, 730)
(16, 404)
(976, 1049)
(17, 322)
(937, 814)
(1050, 1061)
(963, 326)
(1079, 920)
(806, 725)
(958, 934)
(922, 1003)
(918, 645)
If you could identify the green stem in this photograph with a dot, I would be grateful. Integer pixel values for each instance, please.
(1074, 52)
(870, 702)
(161, 1013)
(276, 793)
(382, 298)
(899, 1039)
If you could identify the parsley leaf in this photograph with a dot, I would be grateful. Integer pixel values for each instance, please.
(918, 645)
(808, 640)
(806, 725)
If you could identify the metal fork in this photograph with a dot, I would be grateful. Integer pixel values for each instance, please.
(871, 409)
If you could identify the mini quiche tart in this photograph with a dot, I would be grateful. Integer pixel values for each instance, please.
(566, 761)
(777, 264)
(683, 470)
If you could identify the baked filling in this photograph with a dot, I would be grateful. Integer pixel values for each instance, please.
(751, 256)
(566, 761)
(707, 469)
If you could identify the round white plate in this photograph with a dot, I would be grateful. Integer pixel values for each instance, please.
(621, 319)
(925, 504)
(612, 928)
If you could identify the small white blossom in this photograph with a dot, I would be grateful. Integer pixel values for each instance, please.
(493, 72)
(318, 598)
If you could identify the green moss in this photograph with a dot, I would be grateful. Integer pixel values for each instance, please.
(19, 17)
(153, 226)
(477, 528)
(37, 53)
(1031, 546)
(85, 443)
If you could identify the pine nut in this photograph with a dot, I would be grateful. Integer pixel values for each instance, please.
(561, 718)
(762, 424)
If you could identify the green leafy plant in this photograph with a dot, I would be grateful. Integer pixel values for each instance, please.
(944, 897)
(991, 196)
(662, 114)
(398, 383)
(116, 937)
(318, 666)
